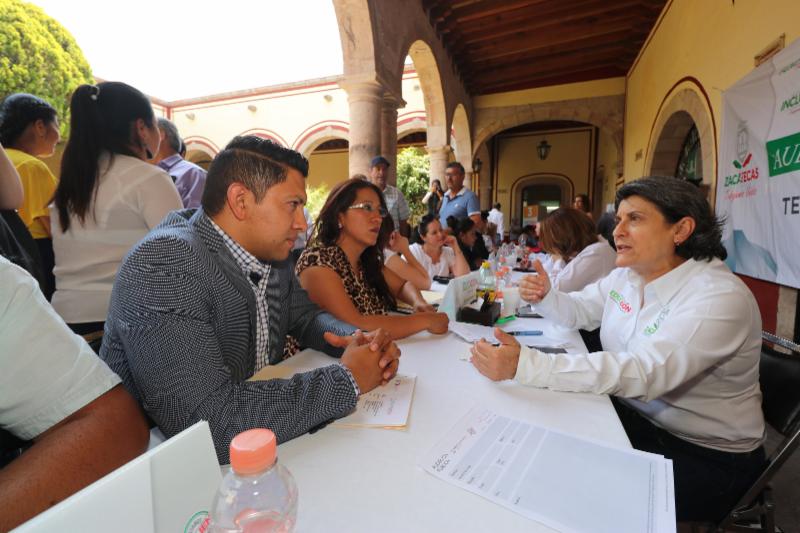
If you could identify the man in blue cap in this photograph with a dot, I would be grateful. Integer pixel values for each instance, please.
(395, 201)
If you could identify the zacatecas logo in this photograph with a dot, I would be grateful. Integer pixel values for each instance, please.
(784, 154)
(744, 159)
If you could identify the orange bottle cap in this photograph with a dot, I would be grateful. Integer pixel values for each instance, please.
(253, 451)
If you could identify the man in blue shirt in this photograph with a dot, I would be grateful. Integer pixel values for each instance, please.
(458, 201)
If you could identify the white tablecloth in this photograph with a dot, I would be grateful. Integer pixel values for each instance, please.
(363, 480)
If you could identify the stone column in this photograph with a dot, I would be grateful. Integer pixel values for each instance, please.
(389, 135)
(439, 157)
(365, 99)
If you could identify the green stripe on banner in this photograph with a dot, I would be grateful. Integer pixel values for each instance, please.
(784, 154)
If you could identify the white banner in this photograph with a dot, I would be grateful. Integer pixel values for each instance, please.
(758, 186)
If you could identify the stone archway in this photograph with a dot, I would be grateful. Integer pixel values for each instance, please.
(563, 182)
(683, 108)
(462, 142)
(196, 143)
(605, 112)
(266, 134)
(318, 133)
(435, 111)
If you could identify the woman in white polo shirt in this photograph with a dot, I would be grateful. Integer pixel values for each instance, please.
(439, 253)
(682, 341)
(108, 197)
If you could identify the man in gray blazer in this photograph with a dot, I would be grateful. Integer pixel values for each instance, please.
(207, 298)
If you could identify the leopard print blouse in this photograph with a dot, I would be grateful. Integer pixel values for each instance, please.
(364, 297)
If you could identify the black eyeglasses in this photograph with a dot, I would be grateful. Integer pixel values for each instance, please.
(369, 208)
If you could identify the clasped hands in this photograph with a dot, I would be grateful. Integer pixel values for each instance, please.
(500, 362)
(372, 357)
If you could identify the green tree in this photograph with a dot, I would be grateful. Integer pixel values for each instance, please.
(39, 56)
(413, 169)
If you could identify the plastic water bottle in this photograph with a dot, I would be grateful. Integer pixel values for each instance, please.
(258, 495)
(486, 282)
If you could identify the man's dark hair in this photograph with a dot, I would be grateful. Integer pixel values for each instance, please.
(675, 199)
(456, 164)
(497, 206)
(256, 163)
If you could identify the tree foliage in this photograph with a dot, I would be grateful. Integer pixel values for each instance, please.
(38, 56)
(413, 170)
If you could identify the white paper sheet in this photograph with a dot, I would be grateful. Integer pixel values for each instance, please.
(565, 482)
(386, 406)
(475, 332)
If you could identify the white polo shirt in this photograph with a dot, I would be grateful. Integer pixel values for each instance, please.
(683, 350)
(46, 371)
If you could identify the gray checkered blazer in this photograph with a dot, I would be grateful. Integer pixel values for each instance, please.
(181, 333)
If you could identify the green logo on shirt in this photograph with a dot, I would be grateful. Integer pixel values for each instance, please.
(649, 330)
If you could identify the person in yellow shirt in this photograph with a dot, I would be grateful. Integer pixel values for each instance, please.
(29, 130)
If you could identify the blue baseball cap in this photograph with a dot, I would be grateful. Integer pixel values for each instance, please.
(379, 160)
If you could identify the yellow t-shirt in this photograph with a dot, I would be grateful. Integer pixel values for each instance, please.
(39, 185)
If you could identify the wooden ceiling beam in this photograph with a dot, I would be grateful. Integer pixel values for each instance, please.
(547, 67)
(550, 39)
(611, 39)
(575, 30)
(532, 20)
(598, 73)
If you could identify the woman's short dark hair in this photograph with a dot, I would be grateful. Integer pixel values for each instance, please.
(102, 119)
(256, 163)
(327, 232)
(566, 232)
(461, 225)
(675, 199)
(605, 227)
(18, 111)
(422, 227)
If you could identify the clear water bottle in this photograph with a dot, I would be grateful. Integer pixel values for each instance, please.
(257, 495)
(486, 282)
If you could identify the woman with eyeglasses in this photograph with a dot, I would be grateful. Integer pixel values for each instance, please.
(343, 268)
(438, 252)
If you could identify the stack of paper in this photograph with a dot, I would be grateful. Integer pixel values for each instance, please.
(385, 407)
(475, 332)
(565, 482)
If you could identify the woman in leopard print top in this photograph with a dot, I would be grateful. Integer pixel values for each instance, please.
(343, 269)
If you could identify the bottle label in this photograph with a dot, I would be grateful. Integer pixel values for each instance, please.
(198, 523)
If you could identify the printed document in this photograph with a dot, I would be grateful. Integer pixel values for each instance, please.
(386, 406)
(565, 482)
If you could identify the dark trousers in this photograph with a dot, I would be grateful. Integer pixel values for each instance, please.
(48, 262)
(86, 328)
(708, 483)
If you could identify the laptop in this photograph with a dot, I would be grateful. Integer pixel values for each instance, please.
(168, 488)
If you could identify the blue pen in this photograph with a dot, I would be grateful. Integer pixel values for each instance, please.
(525, 333)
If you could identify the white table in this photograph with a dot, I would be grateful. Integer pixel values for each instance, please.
(363, 480)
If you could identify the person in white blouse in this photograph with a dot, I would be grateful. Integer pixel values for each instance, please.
(108, 197)
(569, 236)
(439, 253)
(681, 337)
